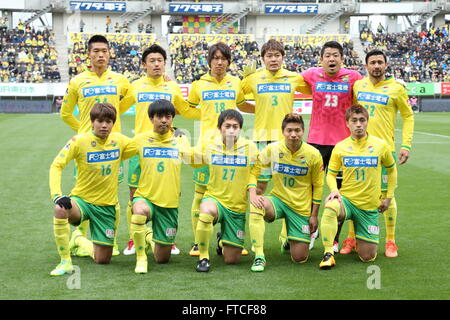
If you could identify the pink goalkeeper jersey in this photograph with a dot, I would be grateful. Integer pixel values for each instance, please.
(331, 97)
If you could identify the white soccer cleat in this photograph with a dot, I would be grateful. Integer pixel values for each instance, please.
(174, 250)
(130, 249)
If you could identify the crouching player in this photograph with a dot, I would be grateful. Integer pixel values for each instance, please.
(97, 155)
(230, 159)
(297, 175)
(160, 152)
(360, 157)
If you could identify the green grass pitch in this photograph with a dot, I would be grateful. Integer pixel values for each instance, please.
(27, 250)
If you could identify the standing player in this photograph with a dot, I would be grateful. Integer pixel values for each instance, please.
(157, 198)
(297, 175)
(332, 93)
(360, 157)
(97, 154)
(230, 159)
(96, 84)
(142, 92)
(213, 92)
(383, 98)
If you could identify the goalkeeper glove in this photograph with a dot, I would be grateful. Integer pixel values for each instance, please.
(63, 202)
(249, 69)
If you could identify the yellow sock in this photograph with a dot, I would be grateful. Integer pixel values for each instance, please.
(283, 232)
(149, 238)
(195, 209)
(257, 229)
(129, 214)
(390, 219)
(117, 223)
(351, 229)
(329, 224)
(203, 234)
(61, 231)
(85, 244)
(84, 227)
(138, 231)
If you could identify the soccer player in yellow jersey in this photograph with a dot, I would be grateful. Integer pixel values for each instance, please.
(273, 89)
(297, 175)
(142, 92)
(360, 157)
(97, 84)
(383, 98)
(230, 159)
(213, 92)
(97, 154)
(157, 197)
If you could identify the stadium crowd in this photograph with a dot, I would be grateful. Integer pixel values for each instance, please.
(27, 55)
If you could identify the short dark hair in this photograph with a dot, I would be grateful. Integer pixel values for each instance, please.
(358, 109)
(161, 107)
(334, 45)
(272, 44)
(375, 52)
(97, 38)
(101, 111)
(223, 48)
(292, 118)
(154, 48)
(230, 114)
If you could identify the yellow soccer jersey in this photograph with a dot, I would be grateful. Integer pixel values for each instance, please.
(97, 161)
(87, 89)
(360, 162)
(274, 98)
(160, 158)
(213, 98)
(146, 90)
(232, 172)
(383, 101)
(297, 178)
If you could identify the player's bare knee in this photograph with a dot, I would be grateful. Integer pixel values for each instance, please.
(299, 257)
(102, 260)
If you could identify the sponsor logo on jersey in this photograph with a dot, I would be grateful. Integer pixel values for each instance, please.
(360, 161)
(274, 88)
(224, 160)
(373, 97)
(153, 96)
(99, 91)
(103, 156)
(219, 95)
(154, 152)
(289, 169)
(332, 87)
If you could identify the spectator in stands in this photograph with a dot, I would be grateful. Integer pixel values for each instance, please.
(108, 23)
(82, 24)
(140, 26)
(125, 27)
(148, 28)
(117, 28)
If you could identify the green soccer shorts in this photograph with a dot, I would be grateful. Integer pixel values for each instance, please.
(365, 222)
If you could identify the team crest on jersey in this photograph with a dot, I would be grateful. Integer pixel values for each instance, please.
(345, 78)
(385, 89)
(281, 155)
(113, 143)
(371, 149)
(229, 84)
(109, 233)
(151, 140)
(94, 144)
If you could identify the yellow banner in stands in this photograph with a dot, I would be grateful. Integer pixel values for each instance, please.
(211, 38)
(311, 39)
(115, 37)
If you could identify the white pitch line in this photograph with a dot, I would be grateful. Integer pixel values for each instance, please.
(428, 134)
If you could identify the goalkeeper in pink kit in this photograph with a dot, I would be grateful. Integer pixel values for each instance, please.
(332, 88)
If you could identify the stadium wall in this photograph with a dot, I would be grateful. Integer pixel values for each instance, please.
(435, 105)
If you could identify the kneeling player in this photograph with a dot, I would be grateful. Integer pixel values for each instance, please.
(230, 159)
(360, 157)
(158, 195)
(97, 155)
(297, 175)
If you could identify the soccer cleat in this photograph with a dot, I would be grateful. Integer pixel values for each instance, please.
(285, 247)
(259, 264)
(244, 252)
(174, 250)
(64, 267)
(313, 239)
(327, 261)
(194, 251)
(203, 265)
(141, 266)
(336, 247)
(349, 245)
(116, 250)
(130, 249)
(219, 248)
(391, 249)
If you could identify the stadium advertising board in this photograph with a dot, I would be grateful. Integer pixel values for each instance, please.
(211, 38)
(445, 88)
(420, 89)
(23, 89)
(310, 39)
(111, 6)
(291, 9)
(115, 37)
(195, 8)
